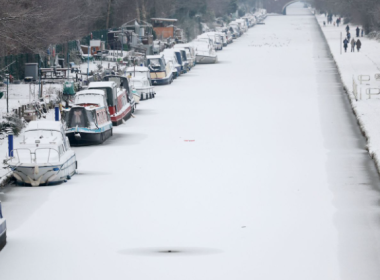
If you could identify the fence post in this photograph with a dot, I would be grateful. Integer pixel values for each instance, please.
(10, 144)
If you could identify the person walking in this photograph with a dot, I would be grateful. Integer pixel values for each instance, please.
(348, 36)
(353, 43)
(337, 22)
(358, 45)
(347, 28)
(362, 31)
(345, 44)
(357, 31)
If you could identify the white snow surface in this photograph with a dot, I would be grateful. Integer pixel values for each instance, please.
(252, 168)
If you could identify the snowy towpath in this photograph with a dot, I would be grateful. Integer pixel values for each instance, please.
(252, 168)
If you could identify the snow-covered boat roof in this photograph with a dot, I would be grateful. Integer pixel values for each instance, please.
(154, 56)
(101, 84)
(138, 69)
(44, 125)
(91, 91)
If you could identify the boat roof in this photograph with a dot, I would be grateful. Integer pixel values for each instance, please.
(101, 84)
(154, 56)
(44, 125)
(91, 91)
(138, 69)
(138, 78)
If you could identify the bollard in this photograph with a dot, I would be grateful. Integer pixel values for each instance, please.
(10, 144)
(56, 109)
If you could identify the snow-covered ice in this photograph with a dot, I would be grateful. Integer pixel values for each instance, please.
(252, 168)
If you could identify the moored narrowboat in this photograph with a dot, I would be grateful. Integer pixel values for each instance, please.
(118, 105)
(88, 121)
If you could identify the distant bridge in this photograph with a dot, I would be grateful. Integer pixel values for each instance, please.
(279, 6)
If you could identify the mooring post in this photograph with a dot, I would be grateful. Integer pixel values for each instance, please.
(10, 144)
(56, 109)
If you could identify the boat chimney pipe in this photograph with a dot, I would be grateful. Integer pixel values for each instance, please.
(56, 110)
(10, 144)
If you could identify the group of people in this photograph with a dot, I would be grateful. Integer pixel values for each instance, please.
(354, 43)
(330, 20)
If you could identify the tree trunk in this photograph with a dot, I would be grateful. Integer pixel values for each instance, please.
(108, 14)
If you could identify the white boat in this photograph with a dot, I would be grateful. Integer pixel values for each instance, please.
(3, 230)
(204, 52)
(44, 156)
(142, 87)
(216, 39)
(170, 55)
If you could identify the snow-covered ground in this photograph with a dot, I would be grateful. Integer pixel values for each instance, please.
(252, 168)
(352, 65)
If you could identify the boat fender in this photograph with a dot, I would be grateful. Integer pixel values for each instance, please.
(36, 170)
(133, 116)
(18, 178)
(68, 177)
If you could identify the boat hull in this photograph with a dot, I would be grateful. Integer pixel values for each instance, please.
(118, 120)
(204, 59)
(164, 81)
(145, 93)
(37, 175)
(84, 138)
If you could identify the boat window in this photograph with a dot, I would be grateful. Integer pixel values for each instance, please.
(77, 118)
(21, 156)
(46, 155)
(110, 94)
(91, 117)
(154, 62)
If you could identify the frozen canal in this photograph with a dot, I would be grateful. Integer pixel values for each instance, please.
(253, 168)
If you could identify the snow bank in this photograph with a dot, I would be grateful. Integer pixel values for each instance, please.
(354, 67)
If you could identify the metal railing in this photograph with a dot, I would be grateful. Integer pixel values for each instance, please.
(34, 160)
(372, 91)
(355, 88)
(364, 78)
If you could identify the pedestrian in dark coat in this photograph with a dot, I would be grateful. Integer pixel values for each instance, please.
(353, 43)
(348, 36)
(358, 45)
(357, 31)
(337, 22)
(345, 44)
(347, 28)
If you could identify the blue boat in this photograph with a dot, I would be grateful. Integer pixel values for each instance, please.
(88, 121)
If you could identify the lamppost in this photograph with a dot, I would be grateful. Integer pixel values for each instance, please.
(7, 76)
(88, 57)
